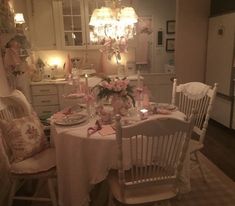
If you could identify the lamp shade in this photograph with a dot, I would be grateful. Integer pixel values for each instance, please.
(19, 18)
(128, 16)
(102, 16)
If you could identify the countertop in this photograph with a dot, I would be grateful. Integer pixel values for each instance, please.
(92, 80)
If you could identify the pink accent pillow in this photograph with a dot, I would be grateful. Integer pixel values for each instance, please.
(24, 136)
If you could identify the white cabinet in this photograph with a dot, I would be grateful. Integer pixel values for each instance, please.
(41, 24)
(45, 99)
(221, 110)
(48, 98)
(73, 22)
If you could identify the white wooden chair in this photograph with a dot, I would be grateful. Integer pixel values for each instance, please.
(200, 97)
(156, 150)
(42, 166)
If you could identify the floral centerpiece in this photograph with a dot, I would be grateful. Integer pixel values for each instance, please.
(119, 91)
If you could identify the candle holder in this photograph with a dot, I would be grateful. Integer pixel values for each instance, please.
(143, 114)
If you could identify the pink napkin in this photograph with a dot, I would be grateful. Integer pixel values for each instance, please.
(106, 130)
(92, 130)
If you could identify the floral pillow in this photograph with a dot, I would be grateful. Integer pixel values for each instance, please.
(24, 136)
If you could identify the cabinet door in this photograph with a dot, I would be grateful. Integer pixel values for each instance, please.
(72, 23)
(221, 111)
(90, 6)
(41, 24)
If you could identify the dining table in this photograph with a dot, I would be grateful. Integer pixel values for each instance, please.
(84, 160)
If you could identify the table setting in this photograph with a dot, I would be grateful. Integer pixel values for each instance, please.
(84, 135)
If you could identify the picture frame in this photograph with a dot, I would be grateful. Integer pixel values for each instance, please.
(170, 45)
(170, 27)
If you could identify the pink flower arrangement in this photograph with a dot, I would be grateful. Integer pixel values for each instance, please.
(115, 87)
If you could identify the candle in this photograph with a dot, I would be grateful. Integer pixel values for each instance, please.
(86, 81)
(143, 114)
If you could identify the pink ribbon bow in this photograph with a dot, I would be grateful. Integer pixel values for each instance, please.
(92, 130)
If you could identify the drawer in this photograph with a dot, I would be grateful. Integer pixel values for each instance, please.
(46, 111)
(44, 89)
(45, 100)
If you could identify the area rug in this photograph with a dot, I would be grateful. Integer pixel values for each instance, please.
(218, 191)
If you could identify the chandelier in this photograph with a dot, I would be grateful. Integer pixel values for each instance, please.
(113, 22)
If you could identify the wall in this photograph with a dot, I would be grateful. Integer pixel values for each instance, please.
(191, 39)
(161, 11)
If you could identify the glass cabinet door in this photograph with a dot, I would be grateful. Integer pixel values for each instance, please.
(90, 7)
(73, 22)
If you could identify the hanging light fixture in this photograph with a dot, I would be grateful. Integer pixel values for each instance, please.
(113, 22)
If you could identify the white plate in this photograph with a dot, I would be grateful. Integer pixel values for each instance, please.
(71, 120)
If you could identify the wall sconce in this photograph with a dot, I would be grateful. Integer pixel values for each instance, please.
(19, 21)
(19, 18)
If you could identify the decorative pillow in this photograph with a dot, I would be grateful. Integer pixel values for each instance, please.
(24, 136)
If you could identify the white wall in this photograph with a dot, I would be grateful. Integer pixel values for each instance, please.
(161, 11)
(191, 39)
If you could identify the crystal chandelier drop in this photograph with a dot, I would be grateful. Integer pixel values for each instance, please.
(113, 22)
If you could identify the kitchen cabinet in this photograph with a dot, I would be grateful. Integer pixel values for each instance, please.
(41, 24)
(60, 24)
(74, 17)
(48, 96)
(45, 99)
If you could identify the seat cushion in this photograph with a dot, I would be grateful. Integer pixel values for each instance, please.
(41, 162)
(195, 145)
(24, 136)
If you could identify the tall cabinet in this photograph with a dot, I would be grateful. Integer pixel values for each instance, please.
(221, 66)
(41, 26)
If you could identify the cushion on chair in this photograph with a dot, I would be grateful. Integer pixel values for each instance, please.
(195, 145)
(40, 162)
(24, 136)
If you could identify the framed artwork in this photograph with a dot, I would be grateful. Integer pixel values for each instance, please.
(170, 27)
(170, 45)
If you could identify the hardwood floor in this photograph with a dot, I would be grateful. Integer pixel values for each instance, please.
(220, 147)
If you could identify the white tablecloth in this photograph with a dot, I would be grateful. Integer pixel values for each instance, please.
(83, 161)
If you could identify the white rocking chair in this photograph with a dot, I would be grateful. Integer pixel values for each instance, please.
(156, 149)
(200, 97)
(42, 166)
